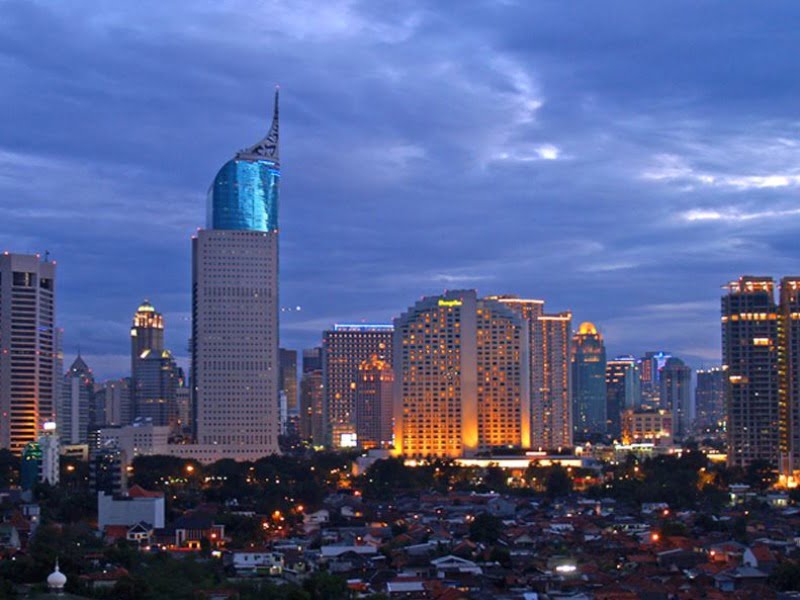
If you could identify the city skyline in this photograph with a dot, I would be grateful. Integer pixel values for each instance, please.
(655, 181)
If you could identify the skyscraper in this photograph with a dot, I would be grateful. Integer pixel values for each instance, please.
(552, 407)
(344, 349)
(374, 390)
(709, 398)
(750, 353)
(676, 394)
(77, 414)
(28, 349)
(650, 366)
(789, 375)
(157, 380)
(147, 333)
(287, 377)
(461, 376)
(311, 397)
(623, 391)
(116, 401)
(235, 308)
(549, 372)
(588, 382)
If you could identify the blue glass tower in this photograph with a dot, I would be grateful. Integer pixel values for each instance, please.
(244, 194)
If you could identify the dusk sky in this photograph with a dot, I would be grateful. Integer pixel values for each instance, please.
(619, 159)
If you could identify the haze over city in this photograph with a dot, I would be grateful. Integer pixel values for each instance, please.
(619, 160)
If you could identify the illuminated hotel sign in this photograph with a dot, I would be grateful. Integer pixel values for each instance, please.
(450, 303)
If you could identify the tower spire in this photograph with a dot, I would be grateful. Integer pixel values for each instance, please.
(267, 148)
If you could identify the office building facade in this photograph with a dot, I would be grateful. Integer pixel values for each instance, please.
(709, 399)
(588, 382)
(675, 381)
(623, 391)
(234, 342)
(28, 348)
(374, 408)
(77, 414)
(344, 349)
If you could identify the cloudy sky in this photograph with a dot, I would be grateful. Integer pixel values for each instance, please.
(619, 159)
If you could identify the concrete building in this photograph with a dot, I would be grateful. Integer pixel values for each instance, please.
(142, 438)
(641, 426)
(588, 382)
(788, 342)
(344, 349)
(312, 396)
(77, 414)
(115, 396)
(28, 348)
(287, 378)
(461, 376)
(650, 368)
(157, 381)
(137, 506)
(709, 399)
(549, 372)
(676, 395)
(750, 353)
(374, 407)
(623, 391)
(234, 343)
(107, 470)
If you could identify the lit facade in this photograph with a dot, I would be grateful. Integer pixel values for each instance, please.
(235, 360)
(503, 365)
(28, 348)
(650, 367)
(623, 391)
(374, 408)
(750, 353)
(436, 403)
(588, 382)
(675, 381)
(549, 372)
(344, 349)
(647, 427)
(789, 375)
(552, 406)
(461, 377)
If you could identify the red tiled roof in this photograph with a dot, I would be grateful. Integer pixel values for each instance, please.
(138, 491)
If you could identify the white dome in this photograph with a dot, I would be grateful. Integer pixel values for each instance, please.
(56, 580)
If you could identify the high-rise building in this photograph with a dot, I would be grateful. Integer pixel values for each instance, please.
(461, 376)
(115, 397)
(28, 348)
(549, 372)
(287, 377)
(312, 397)
(750, 353)
(147, 333)
(650, 366)
(344, 349)
(552, 407)
(588, 382)
(709, 399)
(77, 414)
(789, 376)
(623, 391)
(157, 380)
(234, 343)
(374, 409)
(155, 376)
(676, 394)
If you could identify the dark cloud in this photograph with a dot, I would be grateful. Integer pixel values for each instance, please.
(620, 159)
